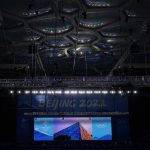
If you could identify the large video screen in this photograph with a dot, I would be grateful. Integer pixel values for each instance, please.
(43, 129)
(72, 128)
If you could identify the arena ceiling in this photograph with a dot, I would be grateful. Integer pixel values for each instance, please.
(82, 37)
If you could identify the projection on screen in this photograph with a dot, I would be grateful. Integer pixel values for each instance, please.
(72, 128)
(43, 129)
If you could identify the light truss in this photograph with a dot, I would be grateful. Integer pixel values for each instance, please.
(73, 92)
(77, 82)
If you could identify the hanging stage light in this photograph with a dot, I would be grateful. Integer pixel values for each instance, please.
(128, 92)
(105, 92)
(66, 92)
(59, 92)
(113, 92)
(81, 92)
(134, 92)
(19, 92)
(73, 92)
(89, 92)
(27, 92)
(120, 92)
(50, 92)
(11, 92)
(42, 92)
(97, 92)
(34, 92)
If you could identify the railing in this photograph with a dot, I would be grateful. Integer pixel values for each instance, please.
(76, 81)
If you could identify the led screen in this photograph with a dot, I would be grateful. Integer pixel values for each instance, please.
(101, 128)
(72, 128)
(43, 129)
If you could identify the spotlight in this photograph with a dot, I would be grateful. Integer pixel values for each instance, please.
(97, 92)
(11, 92)
(19, 92)
(50, 92)
(135, 92)
(81, 92)
(89, 92)
(66, 92)
(58, 92)
(109, 40)
(42, 92)
(128, 92)
(26, 92)
(120, 92)
(112, 92)
(73, 92)
(104, 92)
(34, 92)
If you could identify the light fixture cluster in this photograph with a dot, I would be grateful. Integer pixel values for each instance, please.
(74, 92)
(94, 24)
(97, 3)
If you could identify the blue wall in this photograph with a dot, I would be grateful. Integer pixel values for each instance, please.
(27, 104)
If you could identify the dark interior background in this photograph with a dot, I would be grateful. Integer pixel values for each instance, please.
(75, 38)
